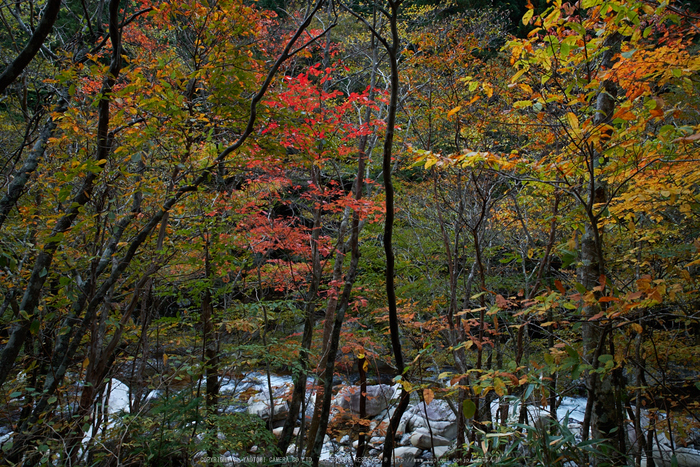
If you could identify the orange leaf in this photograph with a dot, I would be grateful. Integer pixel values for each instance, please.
(428, 396)
(559, 286)
(688, 139)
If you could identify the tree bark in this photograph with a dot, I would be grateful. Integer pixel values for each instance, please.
(605, 416)
(14, 69)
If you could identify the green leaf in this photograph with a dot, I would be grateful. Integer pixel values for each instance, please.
(34, 327)
(575, 372)
(565, 49)
(605, 359)
(468, 408)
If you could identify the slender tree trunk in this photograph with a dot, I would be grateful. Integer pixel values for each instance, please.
(605, 416)
(350, 277)
(299, 392)
(14, 69)
(43, 262)
(332, 306)
(21, 177)
(362, 439)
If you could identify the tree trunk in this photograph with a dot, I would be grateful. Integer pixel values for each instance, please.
(604, 414)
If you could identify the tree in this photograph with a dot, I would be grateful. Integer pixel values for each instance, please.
(605, 121)
(198, 162)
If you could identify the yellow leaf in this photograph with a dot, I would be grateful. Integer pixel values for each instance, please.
(488, 89)
(165, 359)
(499, 386)
(430, 161)
(525, 88)
(86, 362)
(573, 121)
(454, 111)
(637, 328)
(528, 16)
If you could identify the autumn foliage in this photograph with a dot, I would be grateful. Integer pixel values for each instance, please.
(194, 191)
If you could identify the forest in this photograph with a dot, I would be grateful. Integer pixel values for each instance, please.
(350, 232)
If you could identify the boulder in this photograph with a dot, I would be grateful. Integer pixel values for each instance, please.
(442, 421)
(663, 454)
(405, 440)
(441, 451)
(436, 410)
(378, 398)
(422, 439)
(406, 456)
(262, 410)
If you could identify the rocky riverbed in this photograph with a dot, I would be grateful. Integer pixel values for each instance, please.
(426, 434)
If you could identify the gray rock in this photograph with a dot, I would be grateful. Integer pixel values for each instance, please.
(436, 410)
(345, 440)
(378, 398)
(686, 457)
(405, 440)
(262, 410)
(278, 431)
(443, 421)
(447, 430)
(421, 439)
(376, 440)
(441, 451)
(406, 456)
